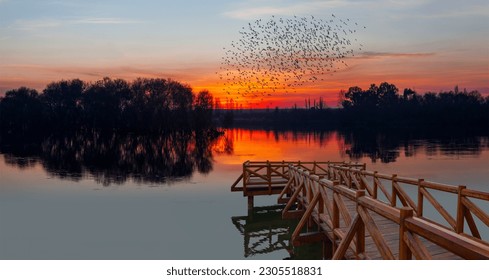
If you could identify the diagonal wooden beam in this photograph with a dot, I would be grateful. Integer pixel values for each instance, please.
(383, 189)
(366, 186)
(451, 221)
(285, 190)
(416, 246)
(345, 242)
(472, 225)
(476, 210)
(293, 199)
(375, 233)
(404, 197)
(306, 216)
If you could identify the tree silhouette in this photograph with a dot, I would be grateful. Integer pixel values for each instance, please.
(21, 110)
(203, 109)
(104, 102)
(145, 105)
(63, 102)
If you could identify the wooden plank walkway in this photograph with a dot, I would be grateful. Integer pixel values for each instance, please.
(354, 209)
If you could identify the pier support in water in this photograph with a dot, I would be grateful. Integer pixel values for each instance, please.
(251, 202)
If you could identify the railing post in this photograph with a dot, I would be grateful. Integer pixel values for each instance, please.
(336, 215)
(404, 251)
(245, 177)
(360, 242)
(376, 187)
(321, 198)
(419, 213)
(460, 211)
(350, 181)
(394, 192)
(314, 167)
(269, 177)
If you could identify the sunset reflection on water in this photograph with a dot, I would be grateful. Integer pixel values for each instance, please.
(456, 161)
(47, 213)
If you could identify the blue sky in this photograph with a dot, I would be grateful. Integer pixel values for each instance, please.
(428, 45)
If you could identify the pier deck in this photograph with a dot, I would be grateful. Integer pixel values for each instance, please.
(368, 215)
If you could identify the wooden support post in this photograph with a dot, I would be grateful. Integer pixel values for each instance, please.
(460, 211)
(251, 202)
(404, 251)
(327, 251)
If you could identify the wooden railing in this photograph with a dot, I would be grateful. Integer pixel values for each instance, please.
(395, 190)
(269, 177)
(358, 211)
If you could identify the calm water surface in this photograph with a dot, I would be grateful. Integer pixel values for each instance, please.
(128, 197)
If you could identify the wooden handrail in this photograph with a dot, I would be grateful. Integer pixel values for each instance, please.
(459, 244)
(463, 214)
(411, 226)
(323, 192)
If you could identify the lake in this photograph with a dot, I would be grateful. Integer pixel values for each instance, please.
(92, 196)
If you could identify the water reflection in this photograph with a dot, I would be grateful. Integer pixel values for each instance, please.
(377, 146)
(387, 146)
(264, 231)
(113, 158)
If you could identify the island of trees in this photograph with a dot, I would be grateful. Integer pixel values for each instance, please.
(148, 130)
(143, 106)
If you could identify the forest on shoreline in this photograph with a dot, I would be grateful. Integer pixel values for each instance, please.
(378, 107)
(153, 106)
(149, 106)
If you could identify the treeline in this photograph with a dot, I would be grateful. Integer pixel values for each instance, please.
(144, 105)
(159, 105)
(379, 107)
(385, 105)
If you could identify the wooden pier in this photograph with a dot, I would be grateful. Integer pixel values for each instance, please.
(369, 215)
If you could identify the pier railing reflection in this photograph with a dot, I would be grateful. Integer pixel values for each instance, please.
(264, 231)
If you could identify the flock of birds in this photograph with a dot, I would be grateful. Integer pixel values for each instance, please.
(283, 54)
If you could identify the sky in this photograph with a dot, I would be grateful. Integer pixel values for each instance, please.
(426, 45)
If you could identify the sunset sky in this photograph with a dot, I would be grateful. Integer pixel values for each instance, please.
(421, 44)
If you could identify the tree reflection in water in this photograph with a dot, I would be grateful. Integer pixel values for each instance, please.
(387, 146)
(112, 158)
